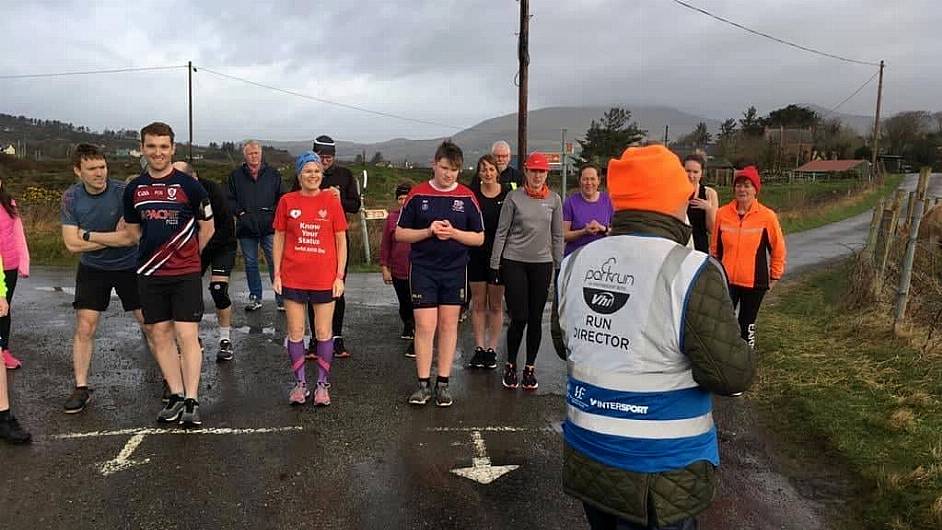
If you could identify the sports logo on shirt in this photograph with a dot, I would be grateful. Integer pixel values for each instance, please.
(172, 193)
(295, 213)
(605, 289)
(424, 206)
(322, 214)
(457, 206)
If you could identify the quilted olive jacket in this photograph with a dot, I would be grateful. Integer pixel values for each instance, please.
(722, 363)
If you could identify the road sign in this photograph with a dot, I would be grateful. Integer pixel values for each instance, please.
(374, 215)
(554, 159)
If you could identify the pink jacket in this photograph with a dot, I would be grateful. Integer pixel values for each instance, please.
(392, 253)
(13, 247)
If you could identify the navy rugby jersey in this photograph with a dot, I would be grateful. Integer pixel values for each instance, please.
(426, 204)
(167, 210)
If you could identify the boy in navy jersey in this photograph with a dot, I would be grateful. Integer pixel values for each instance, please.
(169, 213)
(441, 219)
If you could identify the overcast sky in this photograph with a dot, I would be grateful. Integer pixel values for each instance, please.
(451, 62)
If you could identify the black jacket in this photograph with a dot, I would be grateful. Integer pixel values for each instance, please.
(510, 179)
(224, 236)
(253, 202)
(342, 178)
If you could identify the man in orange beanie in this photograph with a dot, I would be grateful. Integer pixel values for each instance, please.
(649, 334)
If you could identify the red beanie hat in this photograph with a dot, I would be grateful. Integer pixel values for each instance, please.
(537, 161)
(751, 174)
(648, 178)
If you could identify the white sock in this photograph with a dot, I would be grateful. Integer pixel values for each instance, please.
(224, 333)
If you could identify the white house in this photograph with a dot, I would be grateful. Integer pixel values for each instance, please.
(9, 150)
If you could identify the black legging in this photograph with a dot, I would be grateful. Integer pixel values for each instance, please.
(748, 300)
(9, 278)
(526, 287)
(404, 294)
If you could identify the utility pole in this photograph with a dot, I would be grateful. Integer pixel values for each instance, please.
(876, 127)
(666, 130)
(523, 55)
(189, 83)
(562, 162)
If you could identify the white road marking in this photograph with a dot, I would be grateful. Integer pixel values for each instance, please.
(481, 469)
(494, 428)
(123, 460)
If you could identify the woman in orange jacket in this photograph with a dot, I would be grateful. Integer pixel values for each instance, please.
(748, 241)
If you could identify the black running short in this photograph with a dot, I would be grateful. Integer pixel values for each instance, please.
(432, 288)
(219, 261)
(176, 298)
(93, 288)
(307, 296)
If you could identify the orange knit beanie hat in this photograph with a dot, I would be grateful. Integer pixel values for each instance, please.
(648, 178)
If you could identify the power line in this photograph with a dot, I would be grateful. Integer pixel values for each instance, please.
(848, 98)
(329, 102)
(770, 37)
(92, 72)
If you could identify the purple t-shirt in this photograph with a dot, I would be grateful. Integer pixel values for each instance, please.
(580, 212)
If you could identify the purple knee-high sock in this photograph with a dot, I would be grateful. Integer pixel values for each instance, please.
(325, 355)
(296, 354)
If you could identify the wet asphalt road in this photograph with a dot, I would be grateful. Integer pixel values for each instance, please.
(367, 461)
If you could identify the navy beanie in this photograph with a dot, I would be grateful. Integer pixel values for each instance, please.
(324, 145)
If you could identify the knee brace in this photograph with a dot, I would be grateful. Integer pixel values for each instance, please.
(220, 293)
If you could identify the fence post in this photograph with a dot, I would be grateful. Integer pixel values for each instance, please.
(366, 232)
(869, 248)
(906, 273)
(885, 237)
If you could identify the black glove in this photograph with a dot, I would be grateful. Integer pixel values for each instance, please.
(493, 276)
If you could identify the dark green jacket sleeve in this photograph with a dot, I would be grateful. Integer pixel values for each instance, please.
(723, 362)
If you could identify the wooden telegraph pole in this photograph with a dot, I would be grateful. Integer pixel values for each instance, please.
(189, 83)
(876, 128)
(523, 54)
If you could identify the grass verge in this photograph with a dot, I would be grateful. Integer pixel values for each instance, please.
(842, 380)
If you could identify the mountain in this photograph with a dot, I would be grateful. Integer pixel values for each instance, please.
(544, 128)
(862, 125)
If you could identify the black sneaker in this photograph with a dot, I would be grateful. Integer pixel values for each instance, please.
(339, 349)
(477, 360)
(442, 395)
(408, 333)
(167, 393)
(254, 305)
(12, 432)
(510, 376)
(190, 417)
(421, 395)
(490, 359)
(174, 409)
(77, 400)
(528, 380)
(410, 351)
(225, 351)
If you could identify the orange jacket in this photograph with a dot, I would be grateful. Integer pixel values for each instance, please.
(745, 245)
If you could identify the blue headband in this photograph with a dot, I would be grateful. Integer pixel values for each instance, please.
(304, 158)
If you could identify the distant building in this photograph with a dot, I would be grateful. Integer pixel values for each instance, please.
(794, 144)
(833, 169)
(9, 150)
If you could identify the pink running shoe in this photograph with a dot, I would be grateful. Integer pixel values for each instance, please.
(11, 362)
(321, 395)
(299, 394)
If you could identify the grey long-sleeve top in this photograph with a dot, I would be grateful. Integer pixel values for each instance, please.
(529, 230)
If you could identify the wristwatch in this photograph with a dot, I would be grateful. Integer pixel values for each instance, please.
(86, 235)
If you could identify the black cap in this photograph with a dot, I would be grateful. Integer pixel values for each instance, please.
(324, 145)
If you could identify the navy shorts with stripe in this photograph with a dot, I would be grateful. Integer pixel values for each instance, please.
(432, 288)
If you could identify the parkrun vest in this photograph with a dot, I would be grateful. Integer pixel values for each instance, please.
(631, 398)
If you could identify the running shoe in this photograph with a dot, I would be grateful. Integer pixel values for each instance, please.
(174, 409)
(477, 360)
(408, 333)
(322, 395)
(77, 400)
(190, 417)
(421, 395)
(510, 376)
(410, 351)
(299, 394)
(490, 359)
(12, 432)
(442, 395)
(225, 351)
(281, 308)
(11, 362)
(254, 305)
(339, 349)
(528, 380)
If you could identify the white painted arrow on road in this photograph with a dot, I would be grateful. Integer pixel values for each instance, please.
(481, 469)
